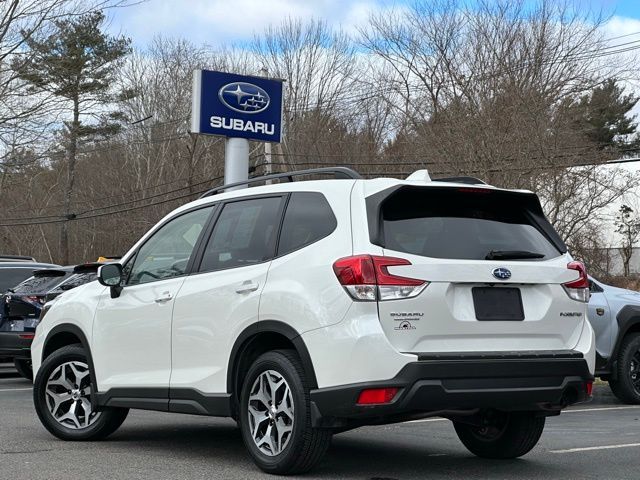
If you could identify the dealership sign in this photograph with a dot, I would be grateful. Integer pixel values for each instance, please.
(237, 106)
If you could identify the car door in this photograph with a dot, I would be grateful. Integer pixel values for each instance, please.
(219, 300)
(132, 333)
(600, 318)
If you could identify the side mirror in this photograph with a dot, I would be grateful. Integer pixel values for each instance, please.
(110, 275)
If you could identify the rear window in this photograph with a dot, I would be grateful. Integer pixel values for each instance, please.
(75, 281)
(39, 285)
(10, 277)
(463, 224)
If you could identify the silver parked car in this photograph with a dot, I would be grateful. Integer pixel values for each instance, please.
(614, 314)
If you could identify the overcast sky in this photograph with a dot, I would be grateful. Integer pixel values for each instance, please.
(222, 21)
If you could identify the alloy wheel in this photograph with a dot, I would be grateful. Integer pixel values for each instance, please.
(68, 395)
(271, 413)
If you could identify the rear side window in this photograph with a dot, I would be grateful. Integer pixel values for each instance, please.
(462, 224)
(308, 219)
(244, 234)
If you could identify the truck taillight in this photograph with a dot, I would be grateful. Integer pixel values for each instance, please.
(578, 289)
(367, 278)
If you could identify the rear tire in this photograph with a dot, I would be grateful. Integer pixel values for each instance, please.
(627, 384)
(23, 366)
(276, 423)
(508, 435)
(62, 397)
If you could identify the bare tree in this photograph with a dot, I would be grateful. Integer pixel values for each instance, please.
(628, 226)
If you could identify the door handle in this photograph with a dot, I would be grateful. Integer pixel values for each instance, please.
(165, 297)
(247, 286)
(600, 311)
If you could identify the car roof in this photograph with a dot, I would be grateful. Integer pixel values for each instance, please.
(31, 265)
(16, 258)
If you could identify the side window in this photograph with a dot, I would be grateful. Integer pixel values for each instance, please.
(308, 219)
(244, 234)
(167, 252)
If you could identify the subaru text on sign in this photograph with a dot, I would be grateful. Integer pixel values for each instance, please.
(234, 105)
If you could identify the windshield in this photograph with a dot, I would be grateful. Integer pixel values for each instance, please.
(461, 224)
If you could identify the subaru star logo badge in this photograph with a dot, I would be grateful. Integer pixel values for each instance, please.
(244, 97)
(502, 273)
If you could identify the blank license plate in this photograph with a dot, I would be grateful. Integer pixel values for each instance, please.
(501, 304)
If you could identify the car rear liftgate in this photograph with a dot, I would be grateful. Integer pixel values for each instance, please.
(497, 275)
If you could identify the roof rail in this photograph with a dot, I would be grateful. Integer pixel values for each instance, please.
(469, 180)
(338, 172)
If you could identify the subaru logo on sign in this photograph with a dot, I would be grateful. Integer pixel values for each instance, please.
(244, 97)
(502, 273)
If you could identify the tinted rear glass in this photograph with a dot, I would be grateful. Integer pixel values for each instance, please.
(461, 224)
(75, 281)
(39, 285)
(11, 277)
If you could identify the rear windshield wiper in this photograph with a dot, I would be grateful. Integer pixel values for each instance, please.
(511, 255)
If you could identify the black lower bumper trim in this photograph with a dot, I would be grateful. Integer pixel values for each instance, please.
(13, 345)
(533, 384)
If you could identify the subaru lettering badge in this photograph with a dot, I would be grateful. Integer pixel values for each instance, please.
(244, 97)
(502, 273)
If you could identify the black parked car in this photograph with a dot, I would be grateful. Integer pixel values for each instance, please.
(20, 308)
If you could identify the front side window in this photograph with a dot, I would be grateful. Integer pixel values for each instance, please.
(166, 254)
(245, 234)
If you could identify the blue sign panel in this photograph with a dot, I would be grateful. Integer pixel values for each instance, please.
(237, 106)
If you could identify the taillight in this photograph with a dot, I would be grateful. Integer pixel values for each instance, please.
(377, 396)
(367, 278)
(34, 299)
(578, 289)
(589, 388)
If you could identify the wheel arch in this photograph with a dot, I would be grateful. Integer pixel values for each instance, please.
(628, 319)
(259, 338)
(68, 334)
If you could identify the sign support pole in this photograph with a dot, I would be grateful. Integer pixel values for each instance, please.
(236, 161)
(239, 108)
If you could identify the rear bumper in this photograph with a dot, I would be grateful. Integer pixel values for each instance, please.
(463, 383)
(15, 344)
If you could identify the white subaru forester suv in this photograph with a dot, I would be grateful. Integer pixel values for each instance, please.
(302, 309)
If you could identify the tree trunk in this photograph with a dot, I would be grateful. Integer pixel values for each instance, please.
(72, 148)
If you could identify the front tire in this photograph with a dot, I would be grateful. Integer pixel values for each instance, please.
(23, 366)
(62, 397)
(506, 435)
(275, 416)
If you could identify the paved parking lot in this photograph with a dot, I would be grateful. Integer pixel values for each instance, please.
(600, 440)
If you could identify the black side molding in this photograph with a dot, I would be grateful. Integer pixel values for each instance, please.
(178, 400)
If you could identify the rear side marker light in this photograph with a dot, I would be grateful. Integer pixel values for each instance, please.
(377, 396)
(367, 278)
(27, 336)
(589, 388)
(578, 289)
